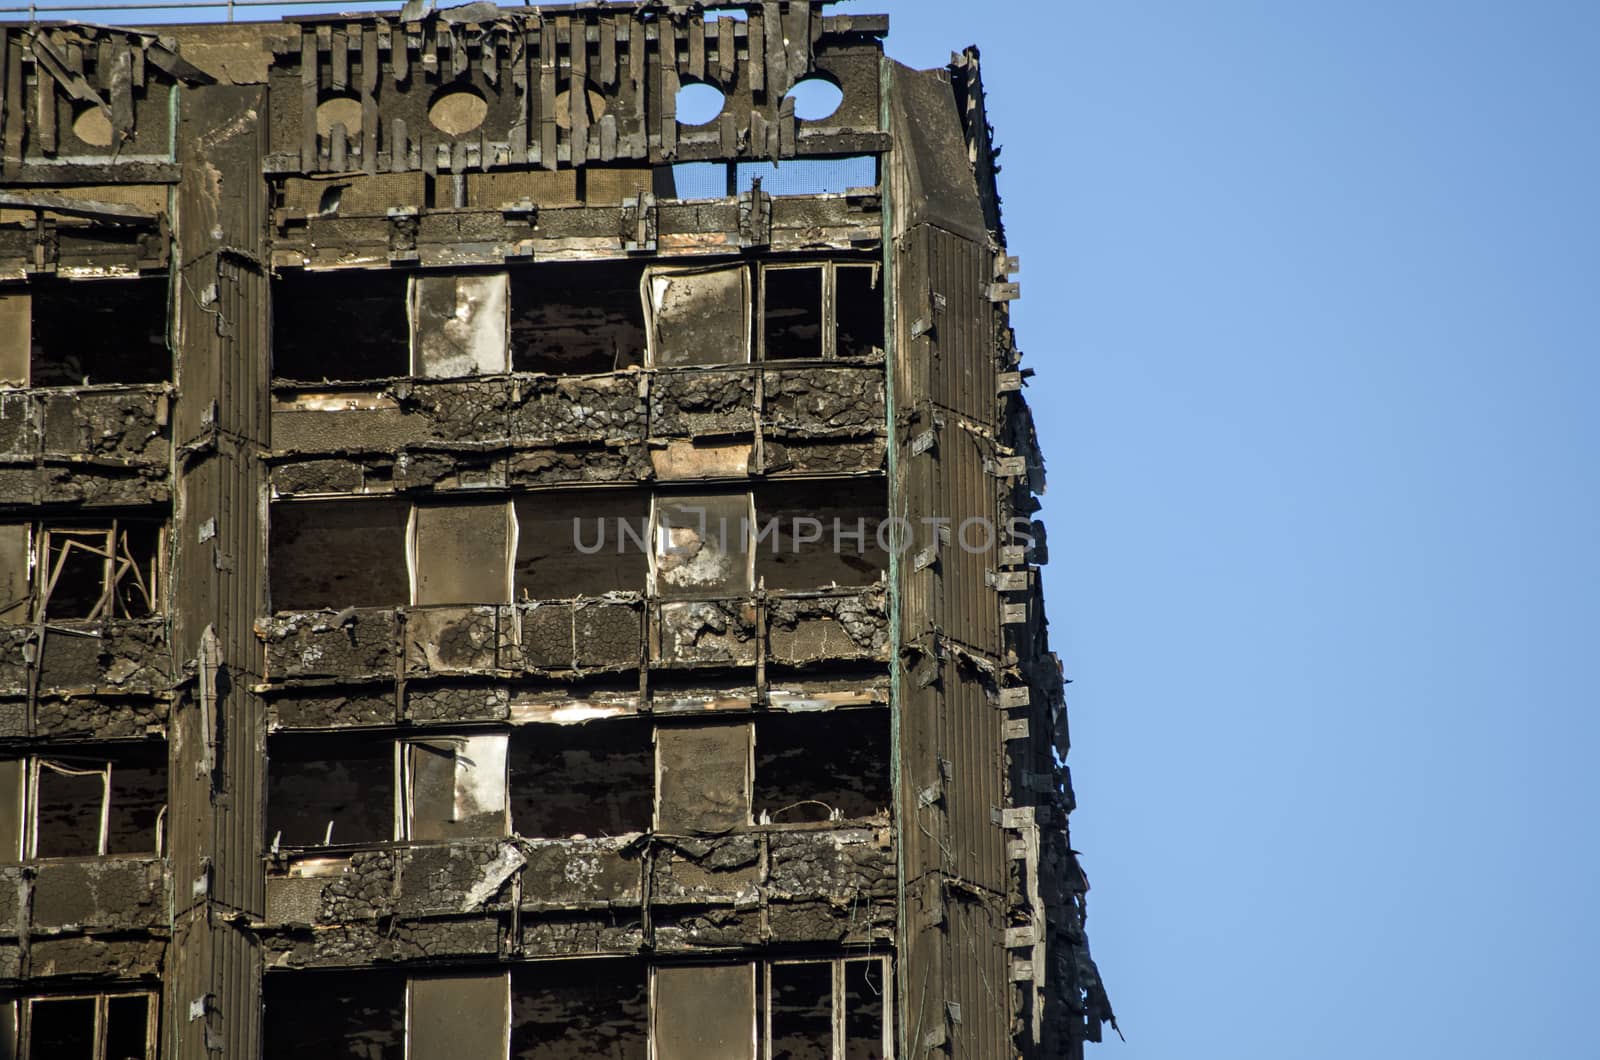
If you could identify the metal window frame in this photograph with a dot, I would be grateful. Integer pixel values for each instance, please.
(117, 563)
(757, 1049)
(837, 1015)
(35, 765)
(647, 296)
(504, 974)
(657, 498)
(405, 805)
(830, 302)
(101, 1018)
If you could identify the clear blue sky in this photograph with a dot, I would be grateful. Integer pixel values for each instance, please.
(1313, 293)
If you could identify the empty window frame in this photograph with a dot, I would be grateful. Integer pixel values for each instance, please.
(703, 778)
(701, 1011)
(335, 1015)
(562, 1010)
(87, 804)
(85, 333)
(810, 535)
(581, 544)
(83, 1027)
(821, 766)
(577, 319)
(702, 545)
(330, 789)
(836, 1009)
(337, 554)
(821, 309)
(458, 324)
(592, 780)
(454, 787)
(346, 325)
(461, 552)
(464, 1016)
(93, 571)
(698, 315)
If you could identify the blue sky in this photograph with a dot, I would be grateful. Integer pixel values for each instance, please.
(1311, 294)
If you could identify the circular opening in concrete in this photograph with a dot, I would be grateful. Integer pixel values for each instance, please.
(597, 106)
(458, 112)
(93, 127)
(816, 98)
(341, 110)
(699, 103)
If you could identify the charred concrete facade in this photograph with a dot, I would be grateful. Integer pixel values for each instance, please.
(489, 569)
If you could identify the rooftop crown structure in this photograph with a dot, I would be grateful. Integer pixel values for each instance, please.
(490, 570)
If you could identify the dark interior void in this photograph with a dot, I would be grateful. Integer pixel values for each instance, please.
(571, 319)
(802, 1011)
(73, 792)
(581, 544)
(101, 570)
(105, 331)
(335, 1016)
(864, 988)
(338, 554)
(811, 764)
(343, 325)
(572, 1009)
(63, 1029)
(858, 308)
(342, 781)
(818, 534)
(594, 779)
(127, 1027)
(792, 312)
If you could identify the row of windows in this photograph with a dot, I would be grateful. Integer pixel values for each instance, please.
(572, 319)
(377, 324)
(620, 1008)
(555, 781)
(388, 553)
(539, 781)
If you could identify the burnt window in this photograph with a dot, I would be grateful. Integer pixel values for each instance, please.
(348, 325)
(338, 554)
(800, 1010)
(335, 1015)
(330, 789)
(455, 786)
(822, 765)
(458, 324)
(702, 545)
(827, 1009)
(81, 570)
(821, 310)
(704, 1011)
(465, 1016)
(813, 535)
(85, 333)
(461, 551)
(702, 778)
(594, 779)
(561, 1010)
(699, 315)
(93, 1027)
(581, 544)
(569, 319)
(86, 803)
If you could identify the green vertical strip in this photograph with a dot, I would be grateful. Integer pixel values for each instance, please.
(890, 345)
